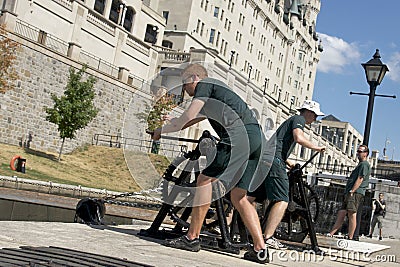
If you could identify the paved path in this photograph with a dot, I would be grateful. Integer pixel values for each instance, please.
(123, 242)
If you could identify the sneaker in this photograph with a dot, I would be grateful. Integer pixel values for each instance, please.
(380, 238)
(329, 235)
(370, 236)
(183, 243)
(261, 256)
(274, 243)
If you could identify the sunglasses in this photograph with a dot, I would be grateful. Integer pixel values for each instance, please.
(361, 151)
(188, 80)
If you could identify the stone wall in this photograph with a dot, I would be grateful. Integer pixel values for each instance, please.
(43, 72)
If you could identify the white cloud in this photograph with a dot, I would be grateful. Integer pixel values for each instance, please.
(337, 54)
(394, 67)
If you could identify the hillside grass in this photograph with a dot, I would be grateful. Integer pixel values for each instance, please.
(90, 166)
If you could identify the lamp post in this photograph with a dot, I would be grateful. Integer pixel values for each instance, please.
(375, 70)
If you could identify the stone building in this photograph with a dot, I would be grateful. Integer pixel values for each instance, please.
(267, 51)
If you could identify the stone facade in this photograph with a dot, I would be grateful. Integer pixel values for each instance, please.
(42, 73)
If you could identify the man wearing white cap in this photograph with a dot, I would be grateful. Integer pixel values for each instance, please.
(276, 185)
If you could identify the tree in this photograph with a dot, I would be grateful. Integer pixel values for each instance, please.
(8, 49)
(155, 115)
(75, 109)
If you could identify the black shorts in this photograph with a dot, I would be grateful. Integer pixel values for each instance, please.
(275, 186)
(243, 161)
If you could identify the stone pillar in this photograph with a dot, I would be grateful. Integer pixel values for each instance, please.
(123, 74)
(90, 3)
(9, 19)
(81, 14)
(74, 50)
(107, 9)
(118, 47)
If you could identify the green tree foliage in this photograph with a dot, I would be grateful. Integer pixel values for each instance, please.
(156, 115)
(75, 109)
(8, 51)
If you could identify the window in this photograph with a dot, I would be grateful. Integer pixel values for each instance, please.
(212, 35)
(216, 11)
(198, 26)
(167, 44)
(202, 29)
(129, 18)
(99, 6)
(165, 15)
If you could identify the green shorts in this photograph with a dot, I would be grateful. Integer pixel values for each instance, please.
(248, 157)
(276, 184)
(351, 202)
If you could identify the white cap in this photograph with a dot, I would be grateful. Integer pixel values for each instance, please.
(312, 106)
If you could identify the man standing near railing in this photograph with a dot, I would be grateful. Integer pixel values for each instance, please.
(379, 210)
(354, 193)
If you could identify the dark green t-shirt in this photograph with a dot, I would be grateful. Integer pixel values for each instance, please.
(284, 136)
(363, 169)
(223, 108)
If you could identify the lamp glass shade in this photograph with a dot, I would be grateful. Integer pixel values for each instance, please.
(375, 73)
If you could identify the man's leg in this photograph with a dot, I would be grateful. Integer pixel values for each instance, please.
(339, 221)
(274, 217)
(373, 225)
(249, 216)
(202, 201)
(201, 205)
(352, 222)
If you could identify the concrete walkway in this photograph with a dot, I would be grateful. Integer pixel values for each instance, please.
(123, 242)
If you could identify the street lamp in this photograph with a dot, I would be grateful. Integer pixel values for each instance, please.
(375, 70)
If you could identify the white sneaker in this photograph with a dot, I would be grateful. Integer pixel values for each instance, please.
(272, 242)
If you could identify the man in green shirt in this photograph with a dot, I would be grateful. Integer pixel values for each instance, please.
(354, 192)
(237, 156)
(276, 185)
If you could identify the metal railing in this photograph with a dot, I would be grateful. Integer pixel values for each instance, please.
(35, 34)
(99, 64)
(379, 173)
(142, 145)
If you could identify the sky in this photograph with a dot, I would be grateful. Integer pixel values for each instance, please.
(351, 31)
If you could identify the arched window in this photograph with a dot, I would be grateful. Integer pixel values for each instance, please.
(167, 44)
(114, 12)
(328, 163)
(99, 6)
(321, 159)
(151, 34)
(335, 165)
(129, 19)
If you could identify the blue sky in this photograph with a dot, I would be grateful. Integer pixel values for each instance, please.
(350, 31)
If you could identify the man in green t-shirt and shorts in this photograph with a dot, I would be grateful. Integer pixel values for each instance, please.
(276, 185)
(354, 192)
(237, 157)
